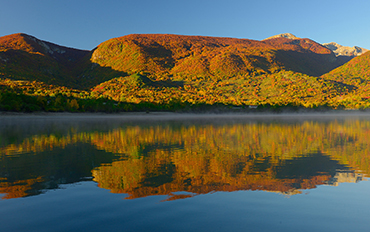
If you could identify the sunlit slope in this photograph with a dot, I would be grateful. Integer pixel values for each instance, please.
(278, 89)
(199, 56)
(24, 57)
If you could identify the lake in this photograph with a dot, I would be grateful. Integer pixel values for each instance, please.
(183, 172)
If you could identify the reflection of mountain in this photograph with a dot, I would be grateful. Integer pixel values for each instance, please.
(32, 173)
(346, 176)
(138, 178)
(166, 158)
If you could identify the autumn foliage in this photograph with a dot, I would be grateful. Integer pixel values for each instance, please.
(211, 56)
(174, 72)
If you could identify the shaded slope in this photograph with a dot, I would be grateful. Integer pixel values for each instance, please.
(24, 57)
(304, 56)
(89, 74)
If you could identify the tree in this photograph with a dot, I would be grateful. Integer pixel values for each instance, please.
(73, 104)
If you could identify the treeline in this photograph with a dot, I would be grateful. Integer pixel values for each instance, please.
(138, 92)
(18, 102)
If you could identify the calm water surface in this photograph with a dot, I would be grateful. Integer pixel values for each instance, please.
(185, 173)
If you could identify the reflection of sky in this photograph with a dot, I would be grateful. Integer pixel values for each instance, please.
(83, 207)
(345, 176)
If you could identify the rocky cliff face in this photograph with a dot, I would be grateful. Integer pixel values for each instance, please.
(340, 50)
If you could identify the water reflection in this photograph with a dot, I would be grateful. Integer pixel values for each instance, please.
(182, 158)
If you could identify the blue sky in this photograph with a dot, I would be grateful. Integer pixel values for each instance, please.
(84, 24)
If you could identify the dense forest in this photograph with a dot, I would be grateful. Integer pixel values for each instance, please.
(179, 73)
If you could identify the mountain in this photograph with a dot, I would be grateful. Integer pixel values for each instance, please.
(176, 55)
(161, 56)
(340, 50)
(25, 57)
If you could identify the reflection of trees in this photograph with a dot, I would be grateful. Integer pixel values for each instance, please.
(21, 188)
(32, 173)
(119, 178)
(162, 159)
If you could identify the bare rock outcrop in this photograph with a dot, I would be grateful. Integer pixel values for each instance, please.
(340, 50)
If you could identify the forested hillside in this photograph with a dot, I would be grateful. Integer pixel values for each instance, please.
(174, 72)
(195, 56)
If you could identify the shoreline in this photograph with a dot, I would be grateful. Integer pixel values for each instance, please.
(182, 115)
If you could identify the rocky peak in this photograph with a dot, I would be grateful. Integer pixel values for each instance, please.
(284, 35)
(340, 50)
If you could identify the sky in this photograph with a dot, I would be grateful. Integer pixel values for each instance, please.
(84, 24)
